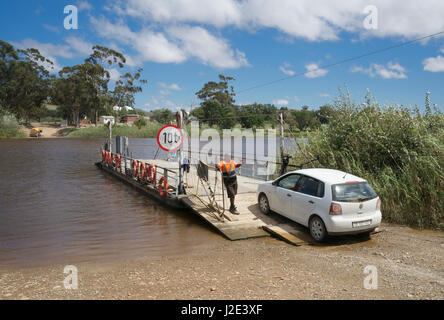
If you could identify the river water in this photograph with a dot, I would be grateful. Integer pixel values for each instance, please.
(56, 207)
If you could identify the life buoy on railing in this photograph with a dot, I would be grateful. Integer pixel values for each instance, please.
(134, 168)
(152, 173)
(118, 161)
(163, 187)
(143, 170)
(103, 155)
(108, 156)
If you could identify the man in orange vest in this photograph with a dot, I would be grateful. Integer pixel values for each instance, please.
(230, 179)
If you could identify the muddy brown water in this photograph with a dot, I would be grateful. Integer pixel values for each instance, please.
(56, 207)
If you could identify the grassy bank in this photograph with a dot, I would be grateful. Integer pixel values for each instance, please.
(398, 150)
(9, 128)
(148, 131)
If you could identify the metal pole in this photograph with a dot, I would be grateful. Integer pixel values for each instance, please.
(179, 184)
(281, 134)
(110, 129)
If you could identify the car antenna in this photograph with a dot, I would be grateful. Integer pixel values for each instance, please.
(344, 175)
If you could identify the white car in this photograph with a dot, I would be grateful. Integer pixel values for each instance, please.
(328, 202)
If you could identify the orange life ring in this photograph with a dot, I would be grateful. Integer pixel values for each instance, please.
(118, 161)
(103, 155)
(152, 173)
(107, 155)
(143, 170)
(163, 187)
(134, 168)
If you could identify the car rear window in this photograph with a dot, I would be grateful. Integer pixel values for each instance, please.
(352, 192)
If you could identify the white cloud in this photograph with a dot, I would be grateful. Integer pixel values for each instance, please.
(210, 50)
(280, 102)
(160, 103)
(80, 46)
(311, 20)
(389, 71)
(114, 74)
(72, 48)
(51, 28)
(285, 68)
(218, 13)
(174, 44)
(434, 64)
(313, 71)
(173, 86)
(324, 95)
(154, 46)
(84, 6)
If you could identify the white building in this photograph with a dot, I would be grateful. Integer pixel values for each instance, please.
(106, 119)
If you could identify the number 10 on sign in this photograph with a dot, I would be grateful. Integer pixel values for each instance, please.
(170, 138)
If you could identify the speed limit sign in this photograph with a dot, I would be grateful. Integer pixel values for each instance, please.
(170, 138)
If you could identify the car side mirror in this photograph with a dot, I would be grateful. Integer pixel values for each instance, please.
(274, 182)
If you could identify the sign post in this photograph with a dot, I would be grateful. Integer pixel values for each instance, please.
(170, 138)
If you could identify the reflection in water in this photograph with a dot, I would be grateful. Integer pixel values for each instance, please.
(57, 207)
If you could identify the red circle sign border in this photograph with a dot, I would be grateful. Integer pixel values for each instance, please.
(181, 137)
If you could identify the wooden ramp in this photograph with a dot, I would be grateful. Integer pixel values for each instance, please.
(250, 223)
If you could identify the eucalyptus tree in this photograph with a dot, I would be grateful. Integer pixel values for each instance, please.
(24, 81)
(126, 87)
(102, 59)
(217, 102)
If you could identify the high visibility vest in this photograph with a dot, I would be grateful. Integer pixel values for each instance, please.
(227, 168)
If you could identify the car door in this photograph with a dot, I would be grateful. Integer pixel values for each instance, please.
(284, 193)
(308, 193)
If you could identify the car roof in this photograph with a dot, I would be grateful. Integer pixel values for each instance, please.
(330, 176)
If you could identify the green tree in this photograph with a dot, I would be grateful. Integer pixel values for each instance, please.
(325, 113)
(217, 103)
(164, 116)
(24, 81)
(101, 59)
(220, 91)
(125, 89)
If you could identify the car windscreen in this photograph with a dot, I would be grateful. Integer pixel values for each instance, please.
(352, 192)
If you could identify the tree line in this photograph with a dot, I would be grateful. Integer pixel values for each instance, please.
(218, 109)
(80, 91)
(83, 90)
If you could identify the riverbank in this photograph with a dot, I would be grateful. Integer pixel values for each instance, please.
(409, 265)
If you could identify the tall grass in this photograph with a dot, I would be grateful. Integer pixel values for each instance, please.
(9, 128)
(148, 131)
(398, 150)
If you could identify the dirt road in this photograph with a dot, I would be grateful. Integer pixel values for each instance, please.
(410, 265)
(49, 130)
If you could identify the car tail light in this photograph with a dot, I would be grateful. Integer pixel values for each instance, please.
(335, 209)
(378, 204)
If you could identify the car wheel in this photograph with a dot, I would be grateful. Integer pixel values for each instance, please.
(264, 204)
(317, 229)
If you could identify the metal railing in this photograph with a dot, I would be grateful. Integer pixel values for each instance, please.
(127, 170)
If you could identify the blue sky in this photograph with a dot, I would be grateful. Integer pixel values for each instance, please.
(183, 44)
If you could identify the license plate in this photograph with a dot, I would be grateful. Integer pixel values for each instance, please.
(361, 223)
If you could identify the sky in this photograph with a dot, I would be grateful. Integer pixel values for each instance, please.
(182, 44)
